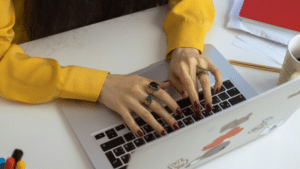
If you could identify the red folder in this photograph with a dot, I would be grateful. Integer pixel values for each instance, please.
(282, 13)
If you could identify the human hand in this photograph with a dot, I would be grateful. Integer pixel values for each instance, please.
(126, 93)
(185, 65)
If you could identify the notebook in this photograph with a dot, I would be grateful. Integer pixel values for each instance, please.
(276, 14)
(108, 141)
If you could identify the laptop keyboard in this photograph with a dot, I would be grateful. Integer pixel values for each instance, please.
(118, 143)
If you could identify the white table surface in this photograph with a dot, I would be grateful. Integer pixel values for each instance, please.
(45, 136)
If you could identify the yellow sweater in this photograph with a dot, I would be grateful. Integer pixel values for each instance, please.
(37, 80)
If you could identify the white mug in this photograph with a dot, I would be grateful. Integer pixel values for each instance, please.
(291, 65)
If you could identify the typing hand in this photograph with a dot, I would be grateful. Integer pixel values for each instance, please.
(14, 162)
(186, 64)
(127, 93)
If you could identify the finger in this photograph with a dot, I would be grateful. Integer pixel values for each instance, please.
(218, 77)
(188, 84)
(164, 85)
(20, 165)
(148, 118)
(157, 108)
(178, 86)
(131, 122)
(194, 77)
(167, 99)
(205, 83)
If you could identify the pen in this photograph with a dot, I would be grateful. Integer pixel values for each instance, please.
(254, 66)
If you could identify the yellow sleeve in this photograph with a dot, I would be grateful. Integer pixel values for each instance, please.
(37, 80)
(187, 22)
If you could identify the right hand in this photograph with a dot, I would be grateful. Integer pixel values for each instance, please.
(126, 93)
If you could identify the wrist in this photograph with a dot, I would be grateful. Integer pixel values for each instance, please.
(186, 50)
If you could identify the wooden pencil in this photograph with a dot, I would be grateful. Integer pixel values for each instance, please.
(254, 66)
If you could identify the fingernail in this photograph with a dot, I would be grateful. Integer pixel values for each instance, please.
(164, 132)
(140, 133)
(216, 90)
(198, 114)
(196, 105)
(176, 126)
(179, 111)
(208, 107)
(182, 93)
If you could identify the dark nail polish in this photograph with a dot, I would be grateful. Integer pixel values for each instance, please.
(164, 132)
(182, 93)
(196, 105)
(175, 126)
(208, 107)
(140, 133)
(198, 114)
(165, 81)
(217, 90)
(179, 112)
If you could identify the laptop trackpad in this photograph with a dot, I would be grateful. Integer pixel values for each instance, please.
(158, 73)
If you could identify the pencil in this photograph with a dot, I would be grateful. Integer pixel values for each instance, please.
(254, 66)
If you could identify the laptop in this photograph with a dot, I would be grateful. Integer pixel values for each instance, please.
(239, 115)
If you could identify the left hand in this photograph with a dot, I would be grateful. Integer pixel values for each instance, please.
(185, 64)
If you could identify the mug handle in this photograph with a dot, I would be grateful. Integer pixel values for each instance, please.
(294, 76)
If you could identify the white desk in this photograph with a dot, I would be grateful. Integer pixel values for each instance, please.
(45, 136)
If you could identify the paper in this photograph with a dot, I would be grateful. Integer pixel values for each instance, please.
(264, 32)
(272, 51)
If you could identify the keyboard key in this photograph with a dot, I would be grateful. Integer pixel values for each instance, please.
(202, 104)
(237, 99)
(215, 100)
(228, 84)
(148, 128)
(181, 125)
(206, 113)
(125, 167)
(98, 136)
(201, 96)
(129, 147)
(111, 133)
(187, 111)
(224, 105)
(216, 109)
(196, 118)
(129, 136)
(184, 102)
(120, 127)
(178, 117)
(112, 143)
(139, 142)
(119, 151)
(115, 162)
(168, 129)
(223, 96)
(222, 89)
(155, 115)
(161, 122)
(140, 121)
(168, 109)
(187, 121)
(233, 92)
(212, 91)
(125, 158)
(150, 137)
(156, 134)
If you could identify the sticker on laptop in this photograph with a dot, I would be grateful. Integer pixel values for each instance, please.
(223, 138)
(260, 126)
(209, 153)
(235, 123)
(178, 164)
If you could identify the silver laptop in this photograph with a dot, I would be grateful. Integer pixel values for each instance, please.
(237, 117)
